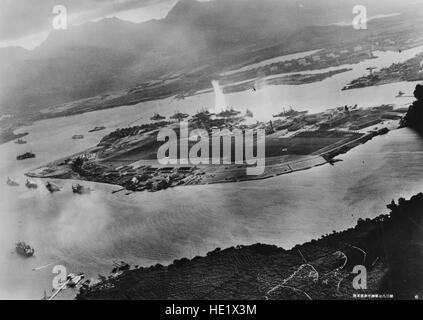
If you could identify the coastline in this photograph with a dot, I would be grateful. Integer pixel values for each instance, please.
(295, 185)
(409, 70)
(9, 135)
(230, 174)
(298, 74)
(387, 246)
(282, 191)
(132, 97)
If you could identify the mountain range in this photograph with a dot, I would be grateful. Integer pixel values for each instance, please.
(112, 54)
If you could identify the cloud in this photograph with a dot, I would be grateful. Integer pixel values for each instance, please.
(19, 18)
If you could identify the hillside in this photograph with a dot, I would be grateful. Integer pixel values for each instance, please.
(389, 246)
(414, 117)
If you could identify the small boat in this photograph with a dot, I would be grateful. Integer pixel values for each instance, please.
(97, 129)
(79, 189)
(400, 94)
(31, 184)
(24, 156)
(24, 250)
(78, 137)
(20, 141)
(52, 187)
(12, 183)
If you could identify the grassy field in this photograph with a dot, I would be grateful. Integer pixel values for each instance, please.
(304, 143)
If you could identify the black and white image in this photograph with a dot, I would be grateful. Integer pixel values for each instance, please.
(247, 150)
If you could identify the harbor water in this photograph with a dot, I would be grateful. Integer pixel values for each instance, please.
(87, 233)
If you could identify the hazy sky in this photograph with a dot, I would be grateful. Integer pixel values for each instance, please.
(27, 22)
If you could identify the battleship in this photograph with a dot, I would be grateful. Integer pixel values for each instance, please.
(202, 116)
(27, 155)
(31, 184)
(97, 129)
(20, 141)
(228, 113)
(12, 183)
(289, 113)
(24, 250)
(79, 189)
(157, 117)
(249, 114)
(179, 116)
(52, 187)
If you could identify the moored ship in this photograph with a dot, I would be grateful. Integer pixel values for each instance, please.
(27, 155)
(228, 113)
(400, 94)
(52, 187)
(31, 184)
(20, 141)
(179, 116)
(97, 129)
(249, 114)
(289, 113)
(79, 189)
(157, 117)
(24, 250)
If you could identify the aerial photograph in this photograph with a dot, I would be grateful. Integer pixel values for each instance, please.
(196, 150)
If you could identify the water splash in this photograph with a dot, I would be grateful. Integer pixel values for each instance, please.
(220, 100)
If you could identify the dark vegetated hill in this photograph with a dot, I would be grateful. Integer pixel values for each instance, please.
(414, 117)
(389, 246)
